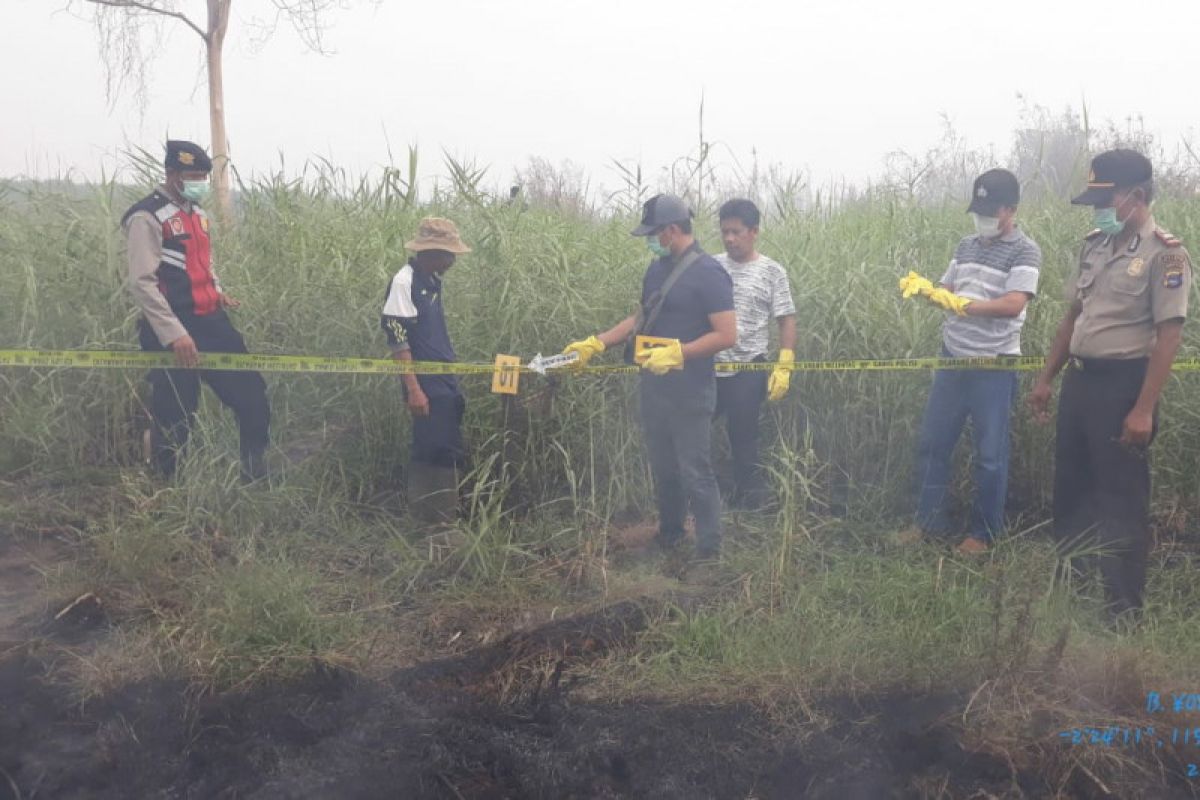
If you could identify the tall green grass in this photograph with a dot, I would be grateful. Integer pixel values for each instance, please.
(235, 584)
(311, 261)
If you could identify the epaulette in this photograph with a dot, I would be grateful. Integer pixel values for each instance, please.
(152, 203)
(1168, 239)
(1094, 234)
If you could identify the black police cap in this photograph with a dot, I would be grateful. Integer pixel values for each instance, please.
(993, 190)
(1112, 170)
(186, 157)
(660, 211)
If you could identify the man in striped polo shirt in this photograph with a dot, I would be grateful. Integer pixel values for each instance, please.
(993, 275)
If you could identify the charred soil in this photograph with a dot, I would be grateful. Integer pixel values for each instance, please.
(503, 720)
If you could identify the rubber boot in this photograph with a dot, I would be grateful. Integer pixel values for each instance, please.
(432, 495)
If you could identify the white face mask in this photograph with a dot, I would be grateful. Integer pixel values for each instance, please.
(987, 227)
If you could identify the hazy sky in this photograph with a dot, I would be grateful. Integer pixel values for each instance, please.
(829, 86)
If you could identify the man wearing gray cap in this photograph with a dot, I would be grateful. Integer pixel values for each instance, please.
(685, 317)
(1128, 300)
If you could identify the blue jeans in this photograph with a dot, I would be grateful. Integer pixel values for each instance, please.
(986, 396)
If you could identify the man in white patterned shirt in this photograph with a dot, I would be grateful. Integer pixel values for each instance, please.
(760, 293)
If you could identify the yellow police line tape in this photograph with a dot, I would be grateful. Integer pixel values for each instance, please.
(132, 359)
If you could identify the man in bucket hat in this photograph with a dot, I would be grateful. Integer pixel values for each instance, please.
(687, 306)
(415, 324)
(1128, 300)
(183, 310)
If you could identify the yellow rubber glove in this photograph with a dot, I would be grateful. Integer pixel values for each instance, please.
(664, 359)
(912, 283)
(781, 376)
(944, 298)
(586, 348)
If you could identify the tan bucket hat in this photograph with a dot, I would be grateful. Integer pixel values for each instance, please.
(435, 233)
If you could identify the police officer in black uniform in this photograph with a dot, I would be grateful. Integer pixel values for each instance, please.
(1129, 298)
(182, 308)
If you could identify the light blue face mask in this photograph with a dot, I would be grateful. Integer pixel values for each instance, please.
(195, 191)
(655, 247)
(1106, 220)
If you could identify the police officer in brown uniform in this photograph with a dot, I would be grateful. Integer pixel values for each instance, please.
(1129, 298)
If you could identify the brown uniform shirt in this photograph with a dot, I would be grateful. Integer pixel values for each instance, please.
(1127, 292)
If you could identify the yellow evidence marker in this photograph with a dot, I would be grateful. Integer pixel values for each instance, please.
(504, 381)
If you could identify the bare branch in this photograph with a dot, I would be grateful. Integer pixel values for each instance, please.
(306, 17)
(150, 9)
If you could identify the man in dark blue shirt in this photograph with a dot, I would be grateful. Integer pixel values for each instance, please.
(415, 324)
(687, 302)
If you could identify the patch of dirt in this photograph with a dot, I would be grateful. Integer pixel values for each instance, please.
(500, 720)
(421, 735)
(495, 722)
(639, 534)
(24, 604)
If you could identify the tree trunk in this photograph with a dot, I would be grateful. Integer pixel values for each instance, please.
(218, 23)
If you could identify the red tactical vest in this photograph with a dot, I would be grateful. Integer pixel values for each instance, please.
(185, 275)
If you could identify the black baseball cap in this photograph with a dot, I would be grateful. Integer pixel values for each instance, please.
(1112, 170)
(660, 211)
(993, 190)
(186, 156)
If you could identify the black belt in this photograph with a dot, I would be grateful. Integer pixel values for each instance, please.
(1107, 364)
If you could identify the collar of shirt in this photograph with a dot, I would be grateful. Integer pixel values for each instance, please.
(735, 264)
(1013, 235)
(424, 277)
(695, 245)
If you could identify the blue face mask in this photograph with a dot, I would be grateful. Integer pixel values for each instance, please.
(1106, 220)
(655, 247)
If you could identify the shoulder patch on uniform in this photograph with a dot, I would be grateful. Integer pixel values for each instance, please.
(1167, 238)
(1170, 261)
(1093, 234)
(1174, 265)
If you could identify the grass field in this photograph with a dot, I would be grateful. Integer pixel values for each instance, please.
(231, 589)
